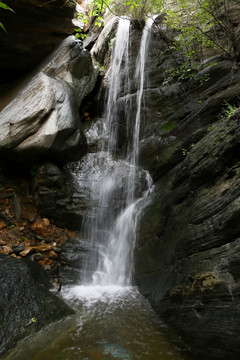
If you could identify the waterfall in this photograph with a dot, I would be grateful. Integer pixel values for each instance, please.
(115, 261)
(118, 185)
(118, 78)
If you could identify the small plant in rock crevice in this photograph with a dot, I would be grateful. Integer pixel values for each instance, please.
(228, 111)
(187, 151)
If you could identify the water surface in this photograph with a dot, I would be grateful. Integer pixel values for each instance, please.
(111, 322)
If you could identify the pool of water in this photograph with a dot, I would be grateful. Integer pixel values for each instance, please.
(111, 322)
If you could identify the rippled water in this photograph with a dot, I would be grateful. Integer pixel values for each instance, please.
(110, 323)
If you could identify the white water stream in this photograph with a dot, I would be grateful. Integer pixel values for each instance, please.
(113, 229)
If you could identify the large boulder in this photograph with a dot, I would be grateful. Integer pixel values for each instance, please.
(42, 120)
(33, 31)
(26, 304)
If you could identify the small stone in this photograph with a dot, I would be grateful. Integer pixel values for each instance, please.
(56, 249)
(46, 221)
(38, 256)
(18, 248)
(14, 235)
(47, 267)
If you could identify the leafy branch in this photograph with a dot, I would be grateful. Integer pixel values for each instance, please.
(5, 7)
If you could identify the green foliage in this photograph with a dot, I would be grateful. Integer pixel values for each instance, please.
(137, 9)
(187, 151)
(198, 22)
(167, 126)
(5, 7)
(210, 128)
(132, 9)
(96, 9)
(2, 26)
(179, 73)
(228, 111)
(33, 170)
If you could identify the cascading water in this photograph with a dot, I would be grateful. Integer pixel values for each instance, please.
(115, 254)
(113, 321)
(112, 225)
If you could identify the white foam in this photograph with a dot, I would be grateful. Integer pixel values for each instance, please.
(92, 294)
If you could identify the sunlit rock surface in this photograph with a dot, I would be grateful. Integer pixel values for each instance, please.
(42, 120)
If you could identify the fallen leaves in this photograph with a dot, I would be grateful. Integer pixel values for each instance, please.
(40, 227)
(28, 234)
(25, 252)
(6, 249)
(2, 224)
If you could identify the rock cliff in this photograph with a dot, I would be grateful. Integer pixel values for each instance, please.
(186, 258)
(42, 121)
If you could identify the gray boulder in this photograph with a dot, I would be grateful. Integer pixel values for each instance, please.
(42, 120)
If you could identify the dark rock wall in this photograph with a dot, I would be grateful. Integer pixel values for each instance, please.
(33, 31)
(186, 259)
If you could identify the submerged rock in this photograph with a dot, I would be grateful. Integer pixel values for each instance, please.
(26, 304)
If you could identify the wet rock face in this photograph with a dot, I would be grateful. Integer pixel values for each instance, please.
(76, 259)
(33, 31)
(43, 121)
(26, 304)
(57, 197)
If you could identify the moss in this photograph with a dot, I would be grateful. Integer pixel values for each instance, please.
(167, 153)
(167, 126)
(201, 283)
